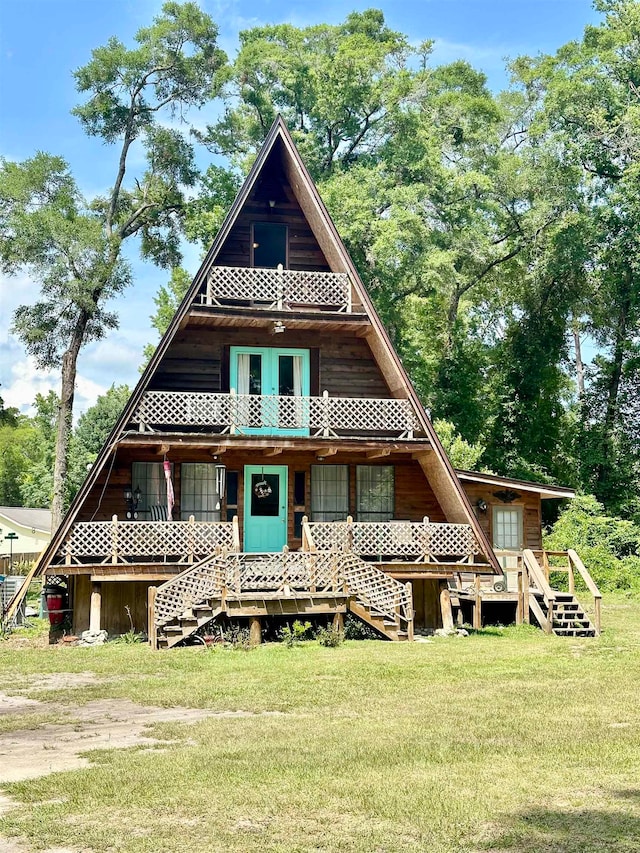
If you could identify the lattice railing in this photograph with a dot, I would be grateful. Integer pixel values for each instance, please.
(323, 416)
(296, 570)
(381, 593)
(192, 587)
(288, 573)
(416, 540)
(118, 541)
(279, 289)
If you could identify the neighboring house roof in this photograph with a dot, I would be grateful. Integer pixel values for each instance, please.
(36, 519)
(543, 489)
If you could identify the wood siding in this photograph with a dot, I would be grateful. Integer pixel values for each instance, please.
(414, 498)
(195, 361)
(304, 250)
(528, 501)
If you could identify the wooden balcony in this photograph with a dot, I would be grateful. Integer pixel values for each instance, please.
(407, 549)
(246, 414)
(116, 543)
(279, 289)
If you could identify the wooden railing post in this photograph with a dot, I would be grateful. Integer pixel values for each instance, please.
(425, 540)
(349, 536)
(525, 593)
(234, 415)
(410, 614)
(114, 539)
(191, 539)
(477, 604)
(326, 426)
(445, 606)
(152, 630)
(236, 534)
(520, 603)
(572, 578)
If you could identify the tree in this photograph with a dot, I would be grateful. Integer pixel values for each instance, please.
(74, 247)
(91, 432)
(167, 300)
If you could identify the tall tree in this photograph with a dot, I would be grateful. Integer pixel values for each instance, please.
(74, 247)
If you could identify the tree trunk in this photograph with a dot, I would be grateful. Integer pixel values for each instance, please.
(575, 328)
(65, 420)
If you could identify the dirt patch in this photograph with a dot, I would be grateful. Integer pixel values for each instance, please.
(11, 704)
(100, 724)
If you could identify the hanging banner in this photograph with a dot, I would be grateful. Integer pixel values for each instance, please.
(170, 495)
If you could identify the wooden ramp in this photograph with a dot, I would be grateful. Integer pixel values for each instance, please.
(284, 584)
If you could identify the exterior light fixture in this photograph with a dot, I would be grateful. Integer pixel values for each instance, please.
(132, 499)
(482, 505)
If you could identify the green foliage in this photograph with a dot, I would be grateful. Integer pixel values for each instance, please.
(329, 637)
(355, 629)
(167, 300)
(461, 454)
(91, 432)
(608, 546)
(73, 247)
(293, 635)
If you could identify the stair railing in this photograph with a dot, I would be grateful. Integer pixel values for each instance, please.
(381, 593)
(576, 563)
(538, 579)
(192, 586)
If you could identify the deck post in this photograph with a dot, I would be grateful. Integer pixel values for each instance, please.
(445, 606)
(255, 631)
(96, 606)
(338, 622)
(526, 615)
(114, 539)
(477, 605)
(520, 602)
(152, 631)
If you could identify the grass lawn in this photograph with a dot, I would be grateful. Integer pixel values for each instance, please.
(508, 740)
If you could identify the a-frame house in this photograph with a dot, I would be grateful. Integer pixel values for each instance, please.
(306, 475)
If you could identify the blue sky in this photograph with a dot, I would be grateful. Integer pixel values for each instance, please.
(43, 41)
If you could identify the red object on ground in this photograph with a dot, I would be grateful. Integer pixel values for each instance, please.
(55, 602)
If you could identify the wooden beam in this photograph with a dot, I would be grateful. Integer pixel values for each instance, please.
(445, 606)
(255, 631)
(272, 451)
(218, 450)
(96, 606)
(327, 451)
(378, 454)
(161, 449)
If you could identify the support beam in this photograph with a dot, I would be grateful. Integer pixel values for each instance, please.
(445, 606)
(338, 622)
(477, 605)
(326, 451)
(218, 450)
(255, 630)
(273, 451)
(378, 454)
(96, 607)
(161, 449)
(152, 631)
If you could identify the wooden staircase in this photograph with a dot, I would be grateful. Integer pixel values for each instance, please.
(560, 612)
(568, 617)
(283, 584)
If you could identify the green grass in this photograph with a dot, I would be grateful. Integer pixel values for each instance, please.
(508, 740)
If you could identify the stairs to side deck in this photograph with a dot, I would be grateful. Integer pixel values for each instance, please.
(568, 616)
(284, 584)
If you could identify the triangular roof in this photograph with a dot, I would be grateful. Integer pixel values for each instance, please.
(436, 465)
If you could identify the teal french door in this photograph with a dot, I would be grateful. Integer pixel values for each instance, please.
(272, 385)
(265, 507)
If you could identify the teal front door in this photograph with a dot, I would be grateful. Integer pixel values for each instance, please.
(265, 507)
(272, 388)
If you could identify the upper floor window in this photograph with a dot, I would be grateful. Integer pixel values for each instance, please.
(269, 245)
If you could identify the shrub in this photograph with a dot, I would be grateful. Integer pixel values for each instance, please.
(329, 637)
(608, 546)
(354, 629)
(291, 635)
